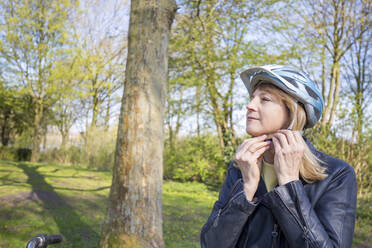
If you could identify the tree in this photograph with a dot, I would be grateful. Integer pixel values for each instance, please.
(336, 24)
(358, 64)
(33, 35)
(65, 110)
(209, 47)
(134, 211)
(102, 75)
(102, 44)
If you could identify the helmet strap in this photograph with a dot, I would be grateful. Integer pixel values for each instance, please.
(294, 117)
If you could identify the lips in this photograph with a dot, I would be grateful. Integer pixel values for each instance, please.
(251, 118)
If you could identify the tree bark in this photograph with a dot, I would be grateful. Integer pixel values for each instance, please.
(39, 109)
(134, 214)
(5, 127)
(198, 109)
(108, 107)
(329, 101)
(335, 95)
(323, 71)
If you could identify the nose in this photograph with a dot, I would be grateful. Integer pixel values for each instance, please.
(251, 107)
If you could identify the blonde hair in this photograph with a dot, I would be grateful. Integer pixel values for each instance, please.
(310, 168)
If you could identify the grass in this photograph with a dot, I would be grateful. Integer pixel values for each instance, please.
(186, 206)
(363, 226)
(46, 198)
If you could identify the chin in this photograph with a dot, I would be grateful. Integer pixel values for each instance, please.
(255, 133)
(258, 131)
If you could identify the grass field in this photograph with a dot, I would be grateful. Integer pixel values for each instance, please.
(45, 198)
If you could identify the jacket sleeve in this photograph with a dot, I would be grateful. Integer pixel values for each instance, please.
(330, 223)
(229, 214)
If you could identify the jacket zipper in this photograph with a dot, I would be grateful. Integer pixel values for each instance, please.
(306, 230)
(303, 227)
(215, 222)
(233, 188)
(274, 235)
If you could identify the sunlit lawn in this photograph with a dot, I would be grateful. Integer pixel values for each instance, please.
(71, 201)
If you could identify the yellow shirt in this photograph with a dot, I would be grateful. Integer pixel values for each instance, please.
(268, 175)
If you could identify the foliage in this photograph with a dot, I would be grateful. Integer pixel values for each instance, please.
(357, 154)
(7, 153)
(33, 36)
(97, 154)
(15, 154)
(23, 154)
(14, 113)
(195, 159)
(100, 59)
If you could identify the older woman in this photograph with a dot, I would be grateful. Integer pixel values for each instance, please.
(279, 190)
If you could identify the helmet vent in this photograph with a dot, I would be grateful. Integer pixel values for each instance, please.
(291, 80)
(311, 92)
(295, 74)
(317, 113)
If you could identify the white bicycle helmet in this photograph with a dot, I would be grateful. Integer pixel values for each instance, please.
(292, 81)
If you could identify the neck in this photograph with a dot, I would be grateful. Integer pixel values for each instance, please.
(268, 156)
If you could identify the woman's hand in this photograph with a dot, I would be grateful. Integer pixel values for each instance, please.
(248, 157)
(289, 150)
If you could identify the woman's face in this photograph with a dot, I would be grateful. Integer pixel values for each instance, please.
(266, 113)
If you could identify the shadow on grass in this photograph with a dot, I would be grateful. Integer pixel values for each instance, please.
(63, 214)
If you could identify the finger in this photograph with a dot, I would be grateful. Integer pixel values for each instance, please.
(242, 146)
(258, 153)
(254, 147)
(297, 135)
(295, 138)
(282, 140)
(261, 137)
(300, 141)
(245, 145)
(277, 146)
(255, 155)
(290, 137)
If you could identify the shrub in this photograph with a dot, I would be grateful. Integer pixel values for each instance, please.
(195, 159)
(7, 153)
(15, 154)
(97, 152)
(357, 154)
(23, 154)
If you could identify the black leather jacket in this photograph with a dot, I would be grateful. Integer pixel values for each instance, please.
(296, 214)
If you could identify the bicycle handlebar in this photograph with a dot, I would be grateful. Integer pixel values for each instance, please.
(43, 240)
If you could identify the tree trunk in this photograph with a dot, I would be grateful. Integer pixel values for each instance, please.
(37, 132)
(335, 95)
(5, 128)
(179, 115)
(95, 111)
(198, 109)
(65, 138)
(329, 101)
(134, 214)
(323, 72)
(108, 107)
